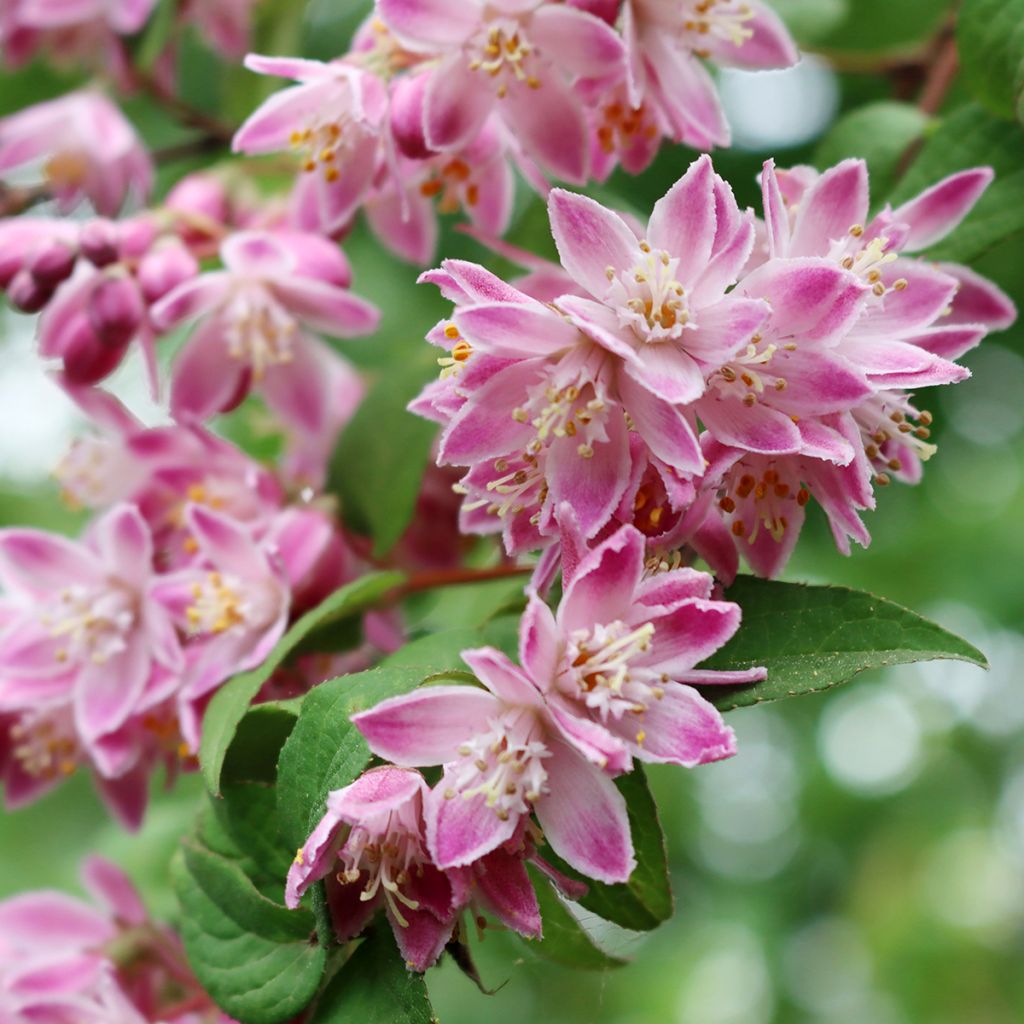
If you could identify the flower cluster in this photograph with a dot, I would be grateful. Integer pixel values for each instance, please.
(111, 646)
(436, 101)
(62, 959)
(608, 678)
(704, 377)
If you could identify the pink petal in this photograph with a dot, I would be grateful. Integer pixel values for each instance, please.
(927, 294)
(937, 211)
(515, 331)
(683, 221)
(539, 643)
(205, 378)
(756, 428)
(978, 300)
(226, 543)
(551, 125)
(776, 215)
(461, 830)
(602, 589)
(301, 391)
(300, 69)
(406, 224)
(948, 342)
(667, 371)
(375, 792)
(106, 694)
(590, 739)
(584, 818)
(456, 105)
(501, 676)
(338, 200)
(837, 201)
(819, 441)
(683, 728)
(429, 25)
(314, 860)
(725, 329)
(38, 563)
(269, 128)
(124, 543)
(771, 45)
(506, 890)
(581, 43)
(428, 726)
(690, 633)
(191, 299)
(590, 238)
(665, 430)
(111, 886)
(422, 938)
(601, 324)
(51, 920)
(126, 796)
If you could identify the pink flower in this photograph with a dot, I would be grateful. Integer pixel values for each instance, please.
(665, 40)
(334, 118)
(87, 629)
(226, 25)
(383, 864)
(517, 58)
(505, 757)
(621, 653)
(83, 148)
(256, 315)
(232, 605)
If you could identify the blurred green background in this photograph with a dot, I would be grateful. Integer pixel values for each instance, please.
(861, 860)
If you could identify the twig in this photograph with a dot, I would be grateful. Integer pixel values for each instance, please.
(182, 111)
(17, 200)
(192, 147)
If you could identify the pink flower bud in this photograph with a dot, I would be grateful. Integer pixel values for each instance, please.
(115, 309)
(27, 294)
(200, 195)
(136, 236)
(87, 359)
(99, 242)
(407, 96)
(165, 267)
(52, 263)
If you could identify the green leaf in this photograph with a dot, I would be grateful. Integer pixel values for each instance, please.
(231, 701)
(248, 814)
(157, 34)
(968, 138)
(374, 987)
(872, 26)
(990, 39)
(878, 133)
(259, 961)
(565, 940)
(811, 20)
(440, 652)
(813, 638)
(645, 901)
(379, 463)
(325, 750)
(252, 755)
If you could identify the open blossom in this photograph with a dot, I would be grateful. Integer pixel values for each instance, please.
(82, 147)
(256, 316)
(622, 652)
(64, 960)
(518, 59)
(333, 118)
(383, 862)
(504, 757)
(667, 41)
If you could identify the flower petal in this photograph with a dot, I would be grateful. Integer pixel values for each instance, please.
(837, 201)
(938, 210)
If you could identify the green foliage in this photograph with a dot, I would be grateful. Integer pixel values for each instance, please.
(871, 26)
(879, 133)
(564, 941)
(970, 137)
(258, 960)
(231, 701)
(374, 987)
(379, 463)
(813, 638)
(326, 751)
(990, 38)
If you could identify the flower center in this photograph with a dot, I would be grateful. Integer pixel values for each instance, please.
(621, 126)
(67, 169)
(747, 375)
(326, 140)
(721, 19)
(45, 744)
(888, 424)
(866, 261)
(452, 182)
(574, 410)
(599, 672)
(503, 765)
(648, 297)
(218, 605)
(259, 332)
(90, 623)
(384, 854)
(768, 499)
(92, 473)
(502, 52)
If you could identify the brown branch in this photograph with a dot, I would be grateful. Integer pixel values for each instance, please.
(180, 109)
(17, 200)
(200, 146)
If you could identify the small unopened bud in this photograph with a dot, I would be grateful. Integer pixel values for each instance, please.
(25, 293)
(136, 236)
(115, 309)
(201, 196)
(165, 267)
(99, 243)
(87, 360)
(50, 264)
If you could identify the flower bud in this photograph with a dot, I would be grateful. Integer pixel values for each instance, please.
(201, 196)
(407, 96)
(136, 236)
(165, 267)
(99, 242)
(52, 263)
(27, 294)
(115, 309)
(87, 359)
